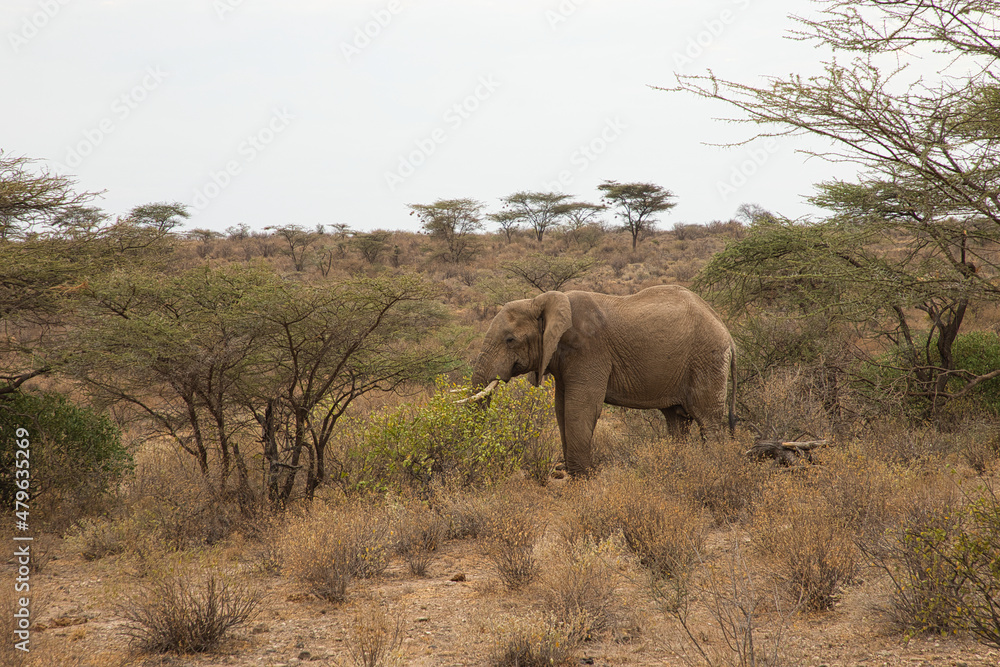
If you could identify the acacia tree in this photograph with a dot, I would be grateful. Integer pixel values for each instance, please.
(325, 347)
(538, 210)
(30, 199)
(929, 188)
(225, 360)
(936, 137)
(298, 240)
(636, 205)
(508, 221)
(175, 351)
(454, 221)
(546, 273)
(51, 243)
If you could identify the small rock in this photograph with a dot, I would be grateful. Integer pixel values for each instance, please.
(459, 577)
(305, 655)
(423, 619)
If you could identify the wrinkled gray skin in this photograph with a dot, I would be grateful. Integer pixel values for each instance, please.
(663, 348)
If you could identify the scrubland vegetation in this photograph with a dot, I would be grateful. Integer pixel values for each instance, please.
(248, 448)
(671, 550)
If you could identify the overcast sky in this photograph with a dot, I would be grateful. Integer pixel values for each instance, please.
(309, 112)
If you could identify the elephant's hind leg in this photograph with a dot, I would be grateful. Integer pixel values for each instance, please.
(678, 422)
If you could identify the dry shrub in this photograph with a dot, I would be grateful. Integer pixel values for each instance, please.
(167, 505)
(420, 532)
(743, 610)
(534, 641)
(509, 542)
(327, 547)
(807, 545)
(663, 532)
(376, 636)
(581, 591)
(788, 402)
(903, 443)
(926, 590)
(979, 446)
(716, 475)
(170, 501)
(465, 514)
(265, 549)
(860, 492)
(98, 538)
(190, 610)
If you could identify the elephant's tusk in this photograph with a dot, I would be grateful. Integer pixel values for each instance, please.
(483, 394)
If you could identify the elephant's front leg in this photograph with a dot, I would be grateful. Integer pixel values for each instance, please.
(560, 404)
(581, 405)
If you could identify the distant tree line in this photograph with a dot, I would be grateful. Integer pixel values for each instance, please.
(454, 221)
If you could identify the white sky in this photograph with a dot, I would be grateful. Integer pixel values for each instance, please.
(265, 112)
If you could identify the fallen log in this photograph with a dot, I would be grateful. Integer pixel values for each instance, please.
(785, 452)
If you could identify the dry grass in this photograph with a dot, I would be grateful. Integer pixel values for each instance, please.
(664, 533)
(326, 548)
(533, 641)
(376, 634)
(187, 611)
(511, 532)
(420, 533)
(807, 544)
(581, 590)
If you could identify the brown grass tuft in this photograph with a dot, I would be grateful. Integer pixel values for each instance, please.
(806, 543)
(420, 532)
(376, 636)
(509, 542)
(326, 548)
(187, 611)
(664, 533)
(534, 641)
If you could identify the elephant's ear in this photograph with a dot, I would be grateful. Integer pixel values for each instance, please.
(555, 316)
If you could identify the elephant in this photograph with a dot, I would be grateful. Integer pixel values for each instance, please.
(662, 348)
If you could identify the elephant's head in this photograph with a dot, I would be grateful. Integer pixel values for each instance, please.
(522, 338)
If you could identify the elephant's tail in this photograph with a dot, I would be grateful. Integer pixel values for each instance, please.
(732, 398)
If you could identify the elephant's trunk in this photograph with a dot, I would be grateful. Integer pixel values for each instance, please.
(488, 367)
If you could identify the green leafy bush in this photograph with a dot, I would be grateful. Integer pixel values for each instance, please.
(76, 455)
(885, 380)
(979, 352)
(443, 441)
(945, 570)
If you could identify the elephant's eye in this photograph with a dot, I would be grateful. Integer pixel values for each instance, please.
(510, 340)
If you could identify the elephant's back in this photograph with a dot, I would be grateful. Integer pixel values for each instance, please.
(673, 303)
(665, 313)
